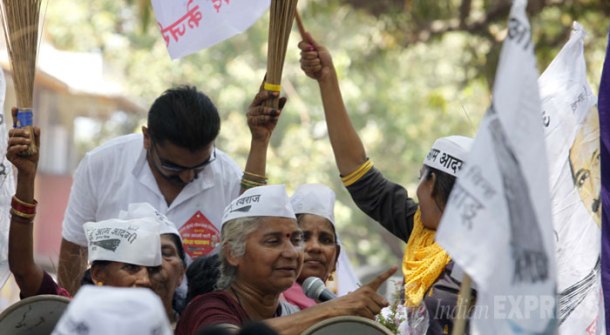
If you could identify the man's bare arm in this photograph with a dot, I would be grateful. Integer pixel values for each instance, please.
(72, 265)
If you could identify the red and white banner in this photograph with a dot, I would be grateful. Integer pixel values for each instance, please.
(188, 26)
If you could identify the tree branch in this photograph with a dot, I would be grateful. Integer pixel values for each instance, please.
(480, 27)
(465, 8)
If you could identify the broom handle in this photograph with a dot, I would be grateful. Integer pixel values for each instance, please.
(463, 302)
(300, 24)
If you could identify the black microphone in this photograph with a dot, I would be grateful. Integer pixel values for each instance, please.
(314, 288)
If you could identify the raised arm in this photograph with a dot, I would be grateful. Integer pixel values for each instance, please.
(72, 265)
(261, 121)
(27, 273)
(81, 208)
(317, 63)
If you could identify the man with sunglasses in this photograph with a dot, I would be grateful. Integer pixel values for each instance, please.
(173, 165)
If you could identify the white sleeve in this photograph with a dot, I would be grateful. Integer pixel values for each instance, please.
(234, 180)
(81, 205)
(231, 178)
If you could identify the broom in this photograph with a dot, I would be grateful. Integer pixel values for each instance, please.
(281, 15)
(20, 20)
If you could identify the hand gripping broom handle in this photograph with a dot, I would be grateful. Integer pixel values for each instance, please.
(25, 119)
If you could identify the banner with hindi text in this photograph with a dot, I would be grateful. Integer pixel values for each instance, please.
(188, 26)
(572, 137)
(497, 223)
(604, 134)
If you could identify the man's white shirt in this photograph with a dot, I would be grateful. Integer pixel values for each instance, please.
(117, 173)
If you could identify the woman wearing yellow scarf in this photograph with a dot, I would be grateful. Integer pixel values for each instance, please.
(428, 271)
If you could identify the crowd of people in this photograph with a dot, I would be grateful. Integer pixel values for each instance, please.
(223, 251)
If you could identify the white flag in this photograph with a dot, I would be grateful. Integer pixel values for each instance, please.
(7, 189)
(188, 26)
(497, 224)
(572, 137)
(346, 278)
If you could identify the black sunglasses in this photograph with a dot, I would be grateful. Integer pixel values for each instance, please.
(175, 168)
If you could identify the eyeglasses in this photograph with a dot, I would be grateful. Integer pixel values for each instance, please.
(175, 168)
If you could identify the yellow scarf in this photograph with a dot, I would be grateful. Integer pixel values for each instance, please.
(423, 262)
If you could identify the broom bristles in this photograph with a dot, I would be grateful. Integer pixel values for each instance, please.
(281, 19)
(20, 20)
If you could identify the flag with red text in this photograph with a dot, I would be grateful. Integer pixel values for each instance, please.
(188, 26)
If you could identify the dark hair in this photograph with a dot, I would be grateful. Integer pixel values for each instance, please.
(257, 328)
(176, 240)
(214, 330)
(442, 187)
(87, 279)
(202, 275)
(185, 117)
(250, 328)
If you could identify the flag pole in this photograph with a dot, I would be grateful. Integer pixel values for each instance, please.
(463, 303)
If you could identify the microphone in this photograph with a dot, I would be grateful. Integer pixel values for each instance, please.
(314, 288)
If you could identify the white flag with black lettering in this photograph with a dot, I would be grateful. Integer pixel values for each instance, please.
(571, 126)
(497, 224)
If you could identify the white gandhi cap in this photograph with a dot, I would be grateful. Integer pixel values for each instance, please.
(134, 241)
(448, 154)
(314, 199)
(110, 310)
(269, 200)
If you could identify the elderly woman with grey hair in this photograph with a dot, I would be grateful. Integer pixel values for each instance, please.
(261, 256)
